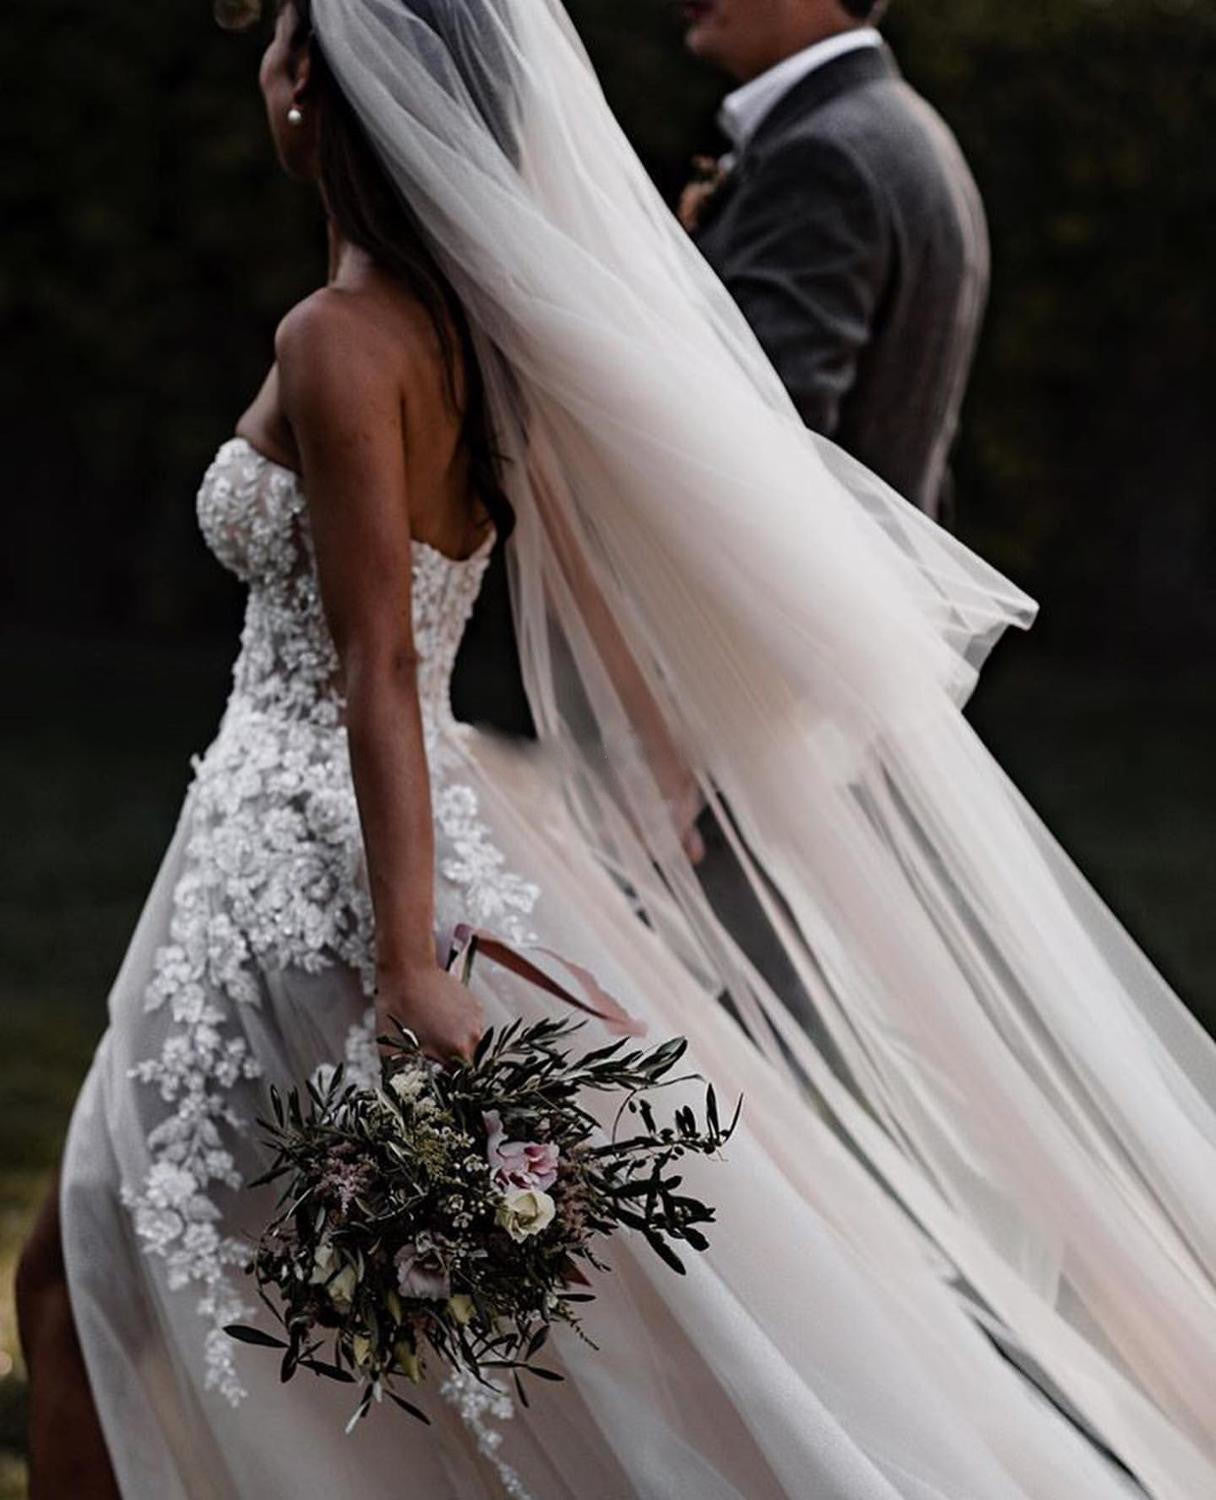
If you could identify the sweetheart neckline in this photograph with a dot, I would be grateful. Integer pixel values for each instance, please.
(482, 552)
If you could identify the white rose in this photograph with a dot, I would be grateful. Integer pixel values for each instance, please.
(524, 1212)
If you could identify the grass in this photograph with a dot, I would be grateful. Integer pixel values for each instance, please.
(96, 761)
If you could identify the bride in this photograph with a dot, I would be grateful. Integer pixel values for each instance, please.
(1014, 1149)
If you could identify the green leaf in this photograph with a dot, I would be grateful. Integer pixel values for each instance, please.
(416, 1412)
(245, 1335)
(601, 1054)
(664, 1251)
(330, 1372)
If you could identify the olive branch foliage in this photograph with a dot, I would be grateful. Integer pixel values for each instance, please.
(366, 1171)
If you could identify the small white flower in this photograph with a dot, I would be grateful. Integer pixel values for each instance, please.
(408, 1084)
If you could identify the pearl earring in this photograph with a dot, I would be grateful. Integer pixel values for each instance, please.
(295, 115)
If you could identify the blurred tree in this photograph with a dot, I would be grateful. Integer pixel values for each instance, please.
(150, 245)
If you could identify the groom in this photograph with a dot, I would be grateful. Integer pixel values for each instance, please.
(846, 225)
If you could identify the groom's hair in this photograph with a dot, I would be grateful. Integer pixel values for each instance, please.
(865, 10)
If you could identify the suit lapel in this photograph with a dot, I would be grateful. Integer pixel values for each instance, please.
(851, 71)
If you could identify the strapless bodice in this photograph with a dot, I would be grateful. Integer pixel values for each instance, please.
(276, 843)
(253, 515)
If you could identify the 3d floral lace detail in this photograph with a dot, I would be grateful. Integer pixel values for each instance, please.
(253, 515)
(360, 1057)
(198, 1066)
(174, 1214)
(273, 880)
(480, 1405)
(274, 874)
(492, 896)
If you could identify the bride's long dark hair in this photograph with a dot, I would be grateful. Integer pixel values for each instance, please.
(370, 213)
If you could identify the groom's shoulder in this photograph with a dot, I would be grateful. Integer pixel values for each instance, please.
(885, 130)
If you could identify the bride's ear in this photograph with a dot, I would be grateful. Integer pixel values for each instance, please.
(301, 73)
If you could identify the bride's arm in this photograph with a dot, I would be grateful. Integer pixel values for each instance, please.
(342, 398)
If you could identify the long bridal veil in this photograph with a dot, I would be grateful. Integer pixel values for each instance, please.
(699, 581)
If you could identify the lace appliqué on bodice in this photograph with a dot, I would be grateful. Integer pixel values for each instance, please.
(275, 876)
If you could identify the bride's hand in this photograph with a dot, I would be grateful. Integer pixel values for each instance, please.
(444, 1014)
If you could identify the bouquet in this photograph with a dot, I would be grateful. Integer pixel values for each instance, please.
(446, 1217)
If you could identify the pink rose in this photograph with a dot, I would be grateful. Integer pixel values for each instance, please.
(420, 1273)
(518, 1164)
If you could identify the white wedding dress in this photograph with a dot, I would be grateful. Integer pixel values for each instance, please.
(814, 1353)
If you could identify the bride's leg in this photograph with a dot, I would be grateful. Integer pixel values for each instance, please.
(68, 1454)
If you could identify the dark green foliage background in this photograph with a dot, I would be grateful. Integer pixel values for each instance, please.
(150, 245)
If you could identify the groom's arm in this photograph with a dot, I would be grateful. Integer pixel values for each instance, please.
(807, 259)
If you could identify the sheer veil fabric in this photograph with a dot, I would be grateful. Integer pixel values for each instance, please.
(692, 568)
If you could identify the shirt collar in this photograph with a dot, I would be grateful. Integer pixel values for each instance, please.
(744, 109)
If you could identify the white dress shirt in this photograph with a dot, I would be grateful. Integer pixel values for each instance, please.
(743, 110)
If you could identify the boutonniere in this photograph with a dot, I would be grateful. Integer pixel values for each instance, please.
(709, 176)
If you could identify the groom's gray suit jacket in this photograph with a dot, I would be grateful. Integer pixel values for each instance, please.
(852, 236)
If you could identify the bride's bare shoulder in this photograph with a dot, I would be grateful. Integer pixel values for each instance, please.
(354, 363)
(358, 331)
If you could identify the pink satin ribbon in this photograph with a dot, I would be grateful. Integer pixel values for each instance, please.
(596, 1001)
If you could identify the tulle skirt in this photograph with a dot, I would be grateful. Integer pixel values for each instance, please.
(817, 1350)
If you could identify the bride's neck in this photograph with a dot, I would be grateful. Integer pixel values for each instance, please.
(347, 262)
